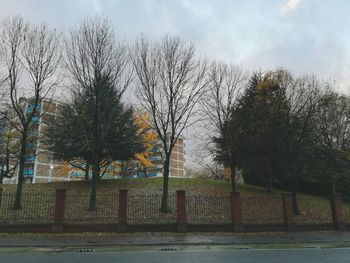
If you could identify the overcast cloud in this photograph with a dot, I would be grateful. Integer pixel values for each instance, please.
(305, 36)
(289, 6)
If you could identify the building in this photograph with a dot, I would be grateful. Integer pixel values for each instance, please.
(239, 177)
(41, 167)
(177, 160)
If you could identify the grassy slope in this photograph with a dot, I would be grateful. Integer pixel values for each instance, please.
(260, 209)
(147, 186)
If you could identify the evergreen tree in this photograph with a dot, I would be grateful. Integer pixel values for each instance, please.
(262, 111)
(95, 127)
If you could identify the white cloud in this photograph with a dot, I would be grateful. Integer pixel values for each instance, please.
(289, 6)
(96, 5)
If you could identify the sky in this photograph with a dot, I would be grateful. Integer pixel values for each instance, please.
(304, 36)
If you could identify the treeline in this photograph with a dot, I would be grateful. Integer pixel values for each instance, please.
(280, 130)
(93, 127)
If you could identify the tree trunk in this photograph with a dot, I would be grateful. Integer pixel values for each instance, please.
(22, 158)
(295, 202)
(333, 185)
(164, 205)
(95, 175)
(233, 177)
(87, 171)
(269, 184)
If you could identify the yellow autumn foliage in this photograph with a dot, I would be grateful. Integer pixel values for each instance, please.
(149, 137)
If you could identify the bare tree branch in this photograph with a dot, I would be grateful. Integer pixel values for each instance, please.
(31, 55)
(170, 83)
(226, 84)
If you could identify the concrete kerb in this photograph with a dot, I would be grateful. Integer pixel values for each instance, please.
(177, 240)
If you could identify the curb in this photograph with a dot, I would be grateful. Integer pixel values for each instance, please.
(172, 243)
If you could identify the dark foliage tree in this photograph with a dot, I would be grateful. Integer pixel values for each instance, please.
(63, 136)
(98, 68)
(95, 127)
(332, 124)
(302, 97)
(277, 117)
(261, 116)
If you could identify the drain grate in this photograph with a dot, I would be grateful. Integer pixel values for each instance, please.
(312, 246)
(243, 248)
(168, 249)
(86, 250)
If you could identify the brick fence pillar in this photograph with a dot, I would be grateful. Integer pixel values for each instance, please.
(288, 213)
(123, 210)
(337, 212)
(181, 216)
(58, 218)
(236, 211)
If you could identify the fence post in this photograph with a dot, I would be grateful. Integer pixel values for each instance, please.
(181, 216)
(288, 212)
(58, 218)
(122, 210)
(236, 212)
(337, 212)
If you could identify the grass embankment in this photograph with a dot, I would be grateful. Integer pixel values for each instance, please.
(145, 186)
(207, 202)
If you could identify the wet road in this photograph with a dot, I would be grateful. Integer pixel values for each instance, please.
(245, 256)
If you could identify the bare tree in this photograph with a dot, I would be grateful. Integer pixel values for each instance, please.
(170, 82)
(8, 160)
(98, 65)
(31, 56)
(226, 85)
(207, 167)
(93, 50)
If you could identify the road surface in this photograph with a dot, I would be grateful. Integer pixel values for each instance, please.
(244, 256)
